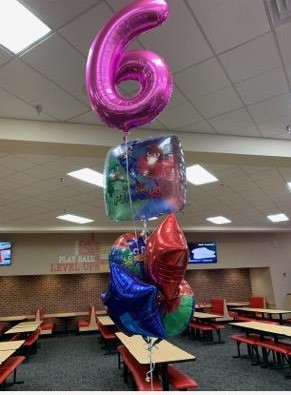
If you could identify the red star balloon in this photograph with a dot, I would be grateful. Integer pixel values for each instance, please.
(166, 257)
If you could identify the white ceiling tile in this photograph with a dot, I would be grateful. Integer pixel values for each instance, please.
(251, 131)
(6, 172)
(200, 127)
(219, 102)
(22, 179)
(4, 56)
(11, 107)
(283, 35)
(275, 128)
(288, 69)
(272, 109)
(56, 13)
(60, 105)
(263, 86)
(178, 40)
(202, 79)
(178, 116)
(251, 58)
(228, 23)
(154, 125)
(15, 163)
(36, 159)
(88, 118)
(89, 24)
(232, 122)
(41, 172)
(60, 62)
(24, 82)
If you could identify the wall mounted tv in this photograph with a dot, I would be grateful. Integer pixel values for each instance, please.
(5, 253)
(204, 252)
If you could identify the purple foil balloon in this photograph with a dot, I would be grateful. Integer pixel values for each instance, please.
(108, 64)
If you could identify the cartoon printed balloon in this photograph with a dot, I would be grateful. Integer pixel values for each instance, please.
(128, 252)
(154, 173)
(109, 64)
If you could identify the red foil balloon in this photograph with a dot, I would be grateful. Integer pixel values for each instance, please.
(166, 257)
(109, 64)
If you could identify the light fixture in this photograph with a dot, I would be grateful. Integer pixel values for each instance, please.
(197, 175)
(75, 218)
(19, 28)
(289, 185)
(219, 220)
(278, 217)
(88, 175)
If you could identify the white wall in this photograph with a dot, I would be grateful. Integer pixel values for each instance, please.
(35, 254)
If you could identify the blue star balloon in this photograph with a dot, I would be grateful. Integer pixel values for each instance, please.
(132, 304)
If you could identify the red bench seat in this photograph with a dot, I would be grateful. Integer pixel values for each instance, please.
(138, 371)
(8, 367)
(31, 343)
(180, 380)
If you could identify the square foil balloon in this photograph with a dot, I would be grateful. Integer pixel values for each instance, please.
(145, 179)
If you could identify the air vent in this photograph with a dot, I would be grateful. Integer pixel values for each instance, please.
(280, 11)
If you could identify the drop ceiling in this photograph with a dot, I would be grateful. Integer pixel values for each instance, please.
(231, 65)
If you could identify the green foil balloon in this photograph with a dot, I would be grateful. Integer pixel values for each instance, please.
(177, 314)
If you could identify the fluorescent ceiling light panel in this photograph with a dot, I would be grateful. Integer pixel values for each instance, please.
(197, 175)
(289, 185)
(278, 218)
(88, 175)
(75, 218)
(19, 28)
(218, 220)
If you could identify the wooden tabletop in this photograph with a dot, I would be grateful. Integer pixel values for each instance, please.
(11, 345)
(66, 314)
(266, 328)
(258, 310)
(23, 328)
(105, 320)
(5, 355)
(25, 323)
(13, 318)
(164, 352)
(206, 316)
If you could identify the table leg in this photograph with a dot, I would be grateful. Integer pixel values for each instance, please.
(165, 377)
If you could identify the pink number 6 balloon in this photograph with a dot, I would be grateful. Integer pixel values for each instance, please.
(108, 64)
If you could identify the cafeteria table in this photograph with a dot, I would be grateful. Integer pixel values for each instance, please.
(105, 320)
(11, 345)
(163, 354)
(5, 354)
(23, 328)
(270, 312)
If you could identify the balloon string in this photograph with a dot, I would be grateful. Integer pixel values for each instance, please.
(128, 188)
(149, 374)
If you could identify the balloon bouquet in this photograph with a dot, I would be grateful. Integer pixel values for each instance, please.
(147, 292)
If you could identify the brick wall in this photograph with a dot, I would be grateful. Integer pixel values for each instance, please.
(230, 284)
(62, 293)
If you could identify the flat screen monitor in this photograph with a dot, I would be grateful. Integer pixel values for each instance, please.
(5, 253)
(204, 252)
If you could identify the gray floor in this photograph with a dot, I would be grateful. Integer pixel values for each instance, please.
(76, 362)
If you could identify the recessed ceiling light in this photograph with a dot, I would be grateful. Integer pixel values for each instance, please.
(289, 185)
(278, 217)
(88, 175)
(197, 175)
(219, 220)
(75, 218)
(19, 28)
